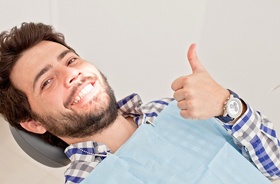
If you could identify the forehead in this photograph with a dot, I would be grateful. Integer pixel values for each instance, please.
(32, 61)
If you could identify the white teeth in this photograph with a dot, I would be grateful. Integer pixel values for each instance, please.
(83, 93)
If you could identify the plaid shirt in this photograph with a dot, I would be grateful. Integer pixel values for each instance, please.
(253, 134)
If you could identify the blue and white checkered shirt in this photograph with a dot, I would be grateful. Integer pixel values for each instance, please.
(253, 133)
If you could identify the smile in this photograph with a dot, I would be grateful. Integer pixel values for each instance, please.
(86, 90)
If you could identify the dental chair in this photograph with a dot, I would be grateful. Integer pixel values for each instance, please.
(39, 150)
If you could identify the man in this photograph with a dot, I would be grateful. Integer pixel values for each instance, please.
(47, 89)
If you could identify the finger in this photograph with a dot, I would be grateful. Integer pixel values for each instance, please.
(183, 105)
(178, 95)
(189, 114)
(185, 114)
(184, 94)
(177, 84)
(193, 59)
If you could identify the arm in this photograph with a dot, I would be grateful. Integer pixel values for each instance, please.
(255, 136)
(201, 97)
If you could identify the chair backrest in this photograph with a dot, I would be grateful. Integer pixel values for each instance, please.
(39, 150)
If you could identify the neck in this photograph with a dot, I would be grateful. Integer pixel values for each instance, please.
(113, 136)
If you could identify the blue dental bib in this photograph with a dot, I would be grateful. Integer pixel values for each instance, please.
(177, 151)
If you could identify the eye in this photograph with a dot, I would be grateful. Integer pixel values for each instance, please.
(45, 84)
(71, 61)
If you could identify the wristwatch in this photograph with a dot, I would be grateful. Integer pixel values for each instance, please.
(232, 109)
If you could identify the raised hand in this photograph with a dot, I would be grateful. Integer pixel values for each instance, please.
(199, 96)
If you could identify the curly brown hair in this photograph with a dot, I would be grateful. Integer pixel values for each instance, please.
(14, 105)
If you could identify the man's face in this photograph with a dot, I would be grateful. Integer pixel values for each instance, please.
(69, 96)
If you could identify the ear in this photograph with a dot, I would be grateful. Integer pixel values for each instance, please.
(33, 126)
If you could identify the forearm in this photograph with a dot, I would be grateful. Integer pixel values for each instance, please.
(255, 135)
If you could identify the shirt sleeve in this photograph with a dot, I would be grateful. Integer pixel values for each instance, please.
(257, 140)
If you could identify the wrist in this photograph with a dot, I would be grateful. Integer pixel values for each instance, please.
(233, 108)
(224, 98)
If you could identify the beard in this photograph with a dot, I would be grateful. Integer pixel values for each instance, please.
(79, 125)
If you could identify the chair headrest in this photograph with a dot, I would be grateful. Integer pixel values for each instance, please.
(39, 150)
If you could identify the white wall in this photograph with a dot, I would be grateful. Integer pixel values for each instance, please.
(141, 45)
(240, 46)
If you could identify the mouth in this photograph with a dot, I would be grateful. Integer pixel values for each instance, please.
(82, 93)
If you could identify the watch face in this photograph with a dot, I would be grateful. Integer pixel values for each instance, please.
(234, 107)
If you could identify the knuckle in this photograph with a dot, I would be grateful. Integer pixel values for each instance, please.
(187, 93)
(181, 105)
(193, 113)
(190, 104)
(185, 80)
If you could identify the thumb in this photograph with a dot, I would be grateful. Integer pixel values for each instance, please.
(193, 59)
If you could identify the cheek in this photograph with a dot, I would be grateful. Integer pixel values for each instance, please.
(89, 68)
(49, 103)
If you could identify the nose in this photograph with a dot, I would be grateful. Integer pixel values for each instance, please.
(71, 76)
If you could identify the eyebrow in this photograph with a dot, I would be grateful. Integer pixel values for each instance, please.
(48, 67)
(64, 53)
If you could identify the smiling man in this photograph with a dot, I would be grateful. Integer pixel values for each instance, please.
(65, 92)
(48, 89)
(64, 98)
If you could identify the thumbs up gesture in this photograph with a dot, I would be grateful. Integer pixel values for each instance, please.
(198, 95)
